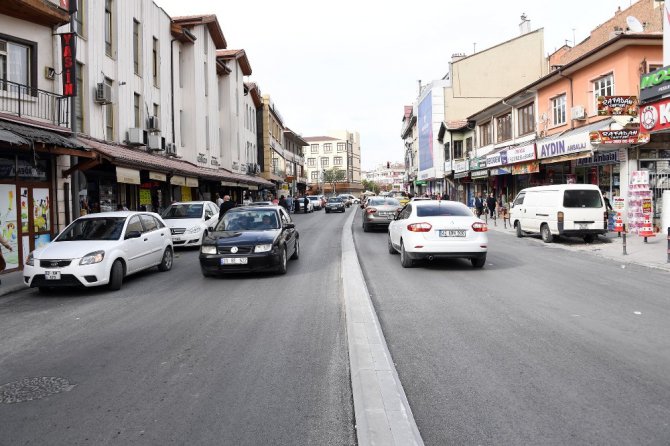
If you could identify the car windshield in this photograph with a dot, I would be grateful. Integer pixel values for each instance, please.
(582, 198)
(313, 198)
(250, 220)
(442, 210)
(183, 210)
(334, 200)
(381, 201)
(107, 228)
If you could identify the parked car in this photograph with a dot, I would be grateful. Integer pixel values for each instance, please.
(437, 229)
(335, 205)
(316, 202)
(101, 249)
(347, 199)
(190, 220)
(379, 211)
(576, 210)
(250, 238)
(299, 205)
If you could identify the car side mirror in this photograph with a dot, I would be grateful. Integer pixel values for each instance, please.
(289, 225)
(133, 234)
(208, 217)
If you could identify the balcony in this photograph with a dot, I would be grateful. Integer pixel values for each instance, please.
(33, 103)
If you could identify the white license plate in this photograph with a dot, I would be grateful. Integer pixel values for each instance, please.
(176, 239)
(452, 233)
(390, 217)
(52, 275)
(234, 261)
(583, 226)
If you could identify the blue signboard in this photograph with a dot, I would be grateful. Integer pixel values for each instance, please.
(426, 133)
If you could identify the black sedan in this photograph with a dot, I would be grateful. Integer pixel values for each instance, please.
(335, 204)
(250, 238)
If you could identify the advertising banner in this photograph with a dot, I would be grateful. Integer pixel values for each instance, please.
(68, 44)
(600, 159)
(564, 146)
(617, 105)
(493, 159)
(656, 116)
(631, 136)
(655, 84)
(521, 169)
(425, 124)
(518, 154)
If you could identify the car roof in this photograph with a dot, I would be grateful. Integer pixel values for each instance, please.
(123, 214)
(249, 207)
(192, 202)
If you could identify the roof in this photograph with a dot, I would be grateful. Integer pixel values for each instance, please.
(42, 12)
(320, 138)
(295, 137)
(24, 134)
(457, 125)
(208, 20)
(255, 93)
(239, 55)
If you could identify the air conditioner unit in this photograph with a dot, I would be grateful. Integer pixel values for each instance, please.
(578, 112)
(137, 137)
(156, 142)
(154, 124)
(171, 149)
(103, 93)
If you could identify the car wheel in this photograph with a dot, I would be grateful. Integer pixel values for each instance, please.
(390, 246)
(281, 269)
(296, 253)
(116, 276)
(166, 262)
(547, 237)
(366, 228)
(478, 262)
(519, 232)
(589, 238)
(405, 261)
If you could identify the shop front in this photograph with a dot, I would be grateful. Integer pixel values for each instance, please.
(603, 169)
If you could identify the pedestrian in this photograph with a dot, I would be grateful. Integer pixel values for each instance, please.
(305, 201)
(121, 207)
(491, 205)
(608, 205)
(445, 196)
(283, 203)
(289, 202)
(154, 202)
(479, 205)
(226, 205)
(3, 262)
(218, 200)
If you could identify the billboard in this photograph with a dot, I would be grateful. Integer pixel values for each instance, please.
(425, 123)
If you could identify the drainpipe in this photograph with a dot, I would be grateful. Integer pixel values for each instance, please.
(572, 123)
(172, 85)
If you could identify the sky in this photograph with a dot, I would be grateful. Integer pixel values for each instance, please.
(354, 64)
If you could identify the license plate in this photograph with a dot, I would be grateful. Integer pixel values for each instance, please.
(583, 226)
(390, 217)
(52, 275)
(452, 233)
(234, 261)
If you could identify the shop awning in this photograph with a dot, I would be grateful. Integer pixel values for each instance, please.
(42, 138)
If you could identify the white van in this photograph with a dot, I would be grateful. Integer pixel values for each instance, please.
(575, 210)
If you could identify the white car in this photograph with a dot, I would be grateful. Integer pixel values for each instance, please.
(101, 249)
(299, 205)
(316, 202)
(189, 221)
(428, 229)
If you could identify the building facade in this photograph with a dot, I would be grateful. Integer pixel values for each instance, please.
(342, 151)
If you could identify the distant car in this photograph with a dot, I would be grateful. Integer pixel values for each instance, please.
(347, 199)
(428, 229)
(101, 249)
(316, 202)
(420, 199)
(379, 211)
(250, 238)
(335, 205)
(190, 220)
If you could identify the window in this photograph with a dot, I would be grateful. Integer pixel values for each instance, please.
(311, 162)
(602, 87)
(157, 110)
(155, 63)
(315, 175)
(80, 18)
(325, 162)
(337, 161)
(134, 225)
(504, 127)
(341, 147)
(526, 117)
(16, 62)
(558, 109)
(109, 116)
(136, 46)
(149, 222)
(79, 107)
(137, 111)
(314, 148)
(458, 149)
(485, 134)
(327, 148)
(447, 152)
(468, 147)
(108, 27)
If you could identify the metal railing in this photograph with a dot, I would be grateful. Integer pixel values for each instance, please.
(25, 101)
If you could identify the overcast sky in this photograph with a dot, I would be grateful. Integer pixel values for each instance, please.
(354, 64)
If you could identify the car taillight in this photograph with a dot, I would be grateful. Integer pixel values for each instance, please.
(419, 227)
(560, 217)
(371, 210)
(479, 227)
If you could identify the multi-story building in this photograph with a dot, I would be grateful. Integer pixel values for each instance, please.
(340, 151)
(389, 177)
(295, 181)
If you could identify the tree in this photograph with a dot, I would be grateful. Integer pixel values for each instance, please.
(334, 176)
(371, 186)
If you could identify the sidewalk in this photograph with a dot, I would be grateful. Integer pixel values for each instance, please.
(652, 254)
(11, 282)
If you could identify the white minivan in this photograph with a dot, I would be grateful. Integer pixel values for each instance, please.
(574, 210)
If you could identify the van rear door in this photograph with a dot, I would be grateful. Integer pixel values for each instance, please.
(583, 209)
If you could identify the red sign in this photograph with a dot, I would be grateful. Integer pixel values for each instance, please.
(617, 105)
(629, 136)
(68, 43)
(655, 116)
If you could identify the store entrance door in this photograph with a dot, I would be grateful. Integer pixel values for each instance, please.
(35, 218)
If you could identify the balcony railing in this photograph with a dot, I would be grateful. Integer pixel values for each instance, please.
(25, 101)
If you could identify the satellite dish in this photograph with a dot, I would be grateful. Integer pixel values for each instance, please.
(634, 24)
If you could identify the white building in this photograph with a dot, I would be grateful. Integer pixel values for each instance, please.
(342, 151)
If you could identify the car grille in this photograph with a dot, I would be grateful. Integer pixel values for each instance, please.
(177, 231)
(240, 250)
(65, 280)
(55, 263)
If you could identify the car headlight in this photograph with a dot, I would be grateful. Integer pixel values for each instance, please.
(208, 249)
(93, 257)
(263, 248)
(193, 230)
(30, 260)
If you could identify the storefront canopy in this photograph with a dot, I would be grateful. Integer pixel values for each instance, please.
(570, 144)
(56, 141)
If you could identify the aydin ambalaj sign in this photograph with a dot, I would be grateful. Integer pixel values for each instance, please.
(564, 146)
(655, 116)
(617, 105)
(630, 136)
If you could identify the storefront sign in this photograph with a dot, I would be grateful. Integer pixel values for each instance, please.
(656, 116)
(655, 84)
(460, 166)
(186, 194)
(157, 176)
(518, 154)
(500, 171)
(127, 176)
(178, 180)
(251, 187)
(461, 175)
(618, 203)
(191, 182)
(617, 105)
(419, 183)
(521, 169)
(145, 196)
(68, 44)
(599, 159)
(480, 173)
(631, 136)
(493, 159)
(427, 175)
(448, 167)
(478, 163)
(564, 146)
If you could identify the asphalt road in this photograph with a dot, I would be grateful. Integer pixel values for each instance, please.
(542, 346)
(174, 358)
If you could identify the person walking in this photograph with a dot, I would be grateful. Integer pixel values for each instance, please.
(289, 202)
(479, 205)
(305, 201)
(491, 205)
(283, 203)
(218, 200)
(3, 262)
(226, 205)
